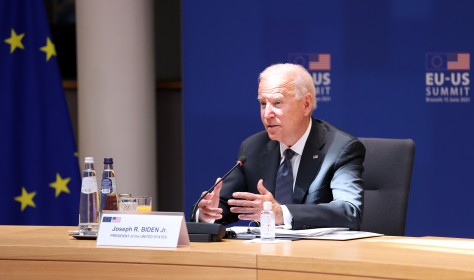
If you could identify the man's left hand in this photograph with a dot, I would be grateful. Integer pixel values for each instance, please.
(249, 205)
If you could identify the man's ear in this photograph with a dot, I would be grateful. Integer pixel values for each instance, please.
(308, 103)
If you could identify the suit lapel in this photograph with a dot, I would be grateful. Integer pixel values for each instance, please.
(310, 162)
(269, 162)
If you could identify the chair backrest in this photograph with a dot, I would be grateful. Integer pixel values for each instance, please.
(387, 173)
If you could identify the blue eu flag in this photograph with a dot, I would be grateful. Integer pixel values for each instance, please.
(39, 170)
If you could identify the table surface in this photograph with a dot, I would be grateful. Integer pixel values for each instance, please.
(387, 257)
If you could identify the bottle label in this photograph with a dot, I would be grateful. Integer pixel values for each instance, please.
(89, 185)
(114, 186)
(267, 226)
(106, 186)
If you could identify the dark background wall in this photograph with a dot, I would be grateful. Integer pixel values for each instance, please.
(382, 55)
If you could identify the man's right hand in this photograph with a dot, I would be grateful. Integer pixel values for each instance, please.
(209, 210)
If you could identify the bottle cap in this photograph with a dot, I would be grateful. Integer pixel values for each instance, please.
(108, 160)
(267, 205)
(89, 160)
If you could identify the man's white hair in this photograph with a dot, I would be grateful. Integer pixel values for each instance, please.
(295, 72)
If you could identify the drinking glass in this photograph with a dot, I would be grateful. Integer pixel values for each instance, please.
(144, 203)
(128, 204)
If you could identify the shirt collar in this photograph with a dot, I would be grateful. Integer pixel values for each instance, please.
(299, 145)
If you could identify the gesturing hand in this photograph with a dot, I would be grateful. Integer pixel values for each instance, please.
(209, 210)
(249, 205)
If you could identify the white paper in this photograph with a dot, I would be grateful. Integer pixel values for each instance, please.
(258, 240)
(346, 235)
(315, 233)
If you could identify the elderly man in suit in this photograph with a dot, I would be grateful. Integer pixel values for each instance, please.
(310, 170)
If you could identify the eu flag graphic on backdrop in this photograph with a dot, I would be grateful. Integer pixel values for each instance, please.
(39, 170)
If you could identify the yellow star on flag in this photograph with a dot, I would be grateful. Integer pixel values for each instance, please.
(60, 185)
(15, 41)
(26, 199)
(49, 49)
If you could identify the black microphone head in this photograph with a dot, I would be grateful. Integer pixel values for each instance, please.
(242, 160)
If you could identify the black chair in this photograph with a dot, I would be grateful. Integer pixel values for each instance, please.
(388, 167)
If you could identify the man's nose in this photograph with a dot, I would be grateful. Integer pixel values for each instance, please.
(268, 111)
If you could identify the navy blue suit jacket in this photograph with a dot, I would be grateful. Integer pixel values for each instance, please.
(328, 189)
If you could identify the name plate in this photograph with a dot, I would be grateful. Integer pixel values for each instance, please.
(152, 229)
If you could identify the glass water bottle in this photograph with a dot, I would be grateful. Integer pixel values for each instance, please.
(89, 201)
(108, 187)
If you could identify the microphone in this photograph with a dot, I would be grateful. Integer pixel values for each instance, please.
(240, 162)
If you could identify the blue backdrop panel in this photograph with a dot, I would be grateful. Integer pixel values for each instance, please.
(398, 69)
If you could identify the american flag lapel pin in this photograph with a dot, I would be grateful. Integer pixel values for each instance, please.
(315, 156)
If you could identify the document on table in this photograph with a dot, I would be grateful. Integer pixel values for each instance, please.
(315, 233)
(346, 235)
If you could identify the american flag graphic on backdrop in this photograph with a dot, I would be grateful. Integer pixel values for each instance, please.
(320, 62)
(459, 61)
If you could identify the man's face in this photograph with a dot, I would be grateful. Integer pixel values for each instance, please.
(285, 118)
